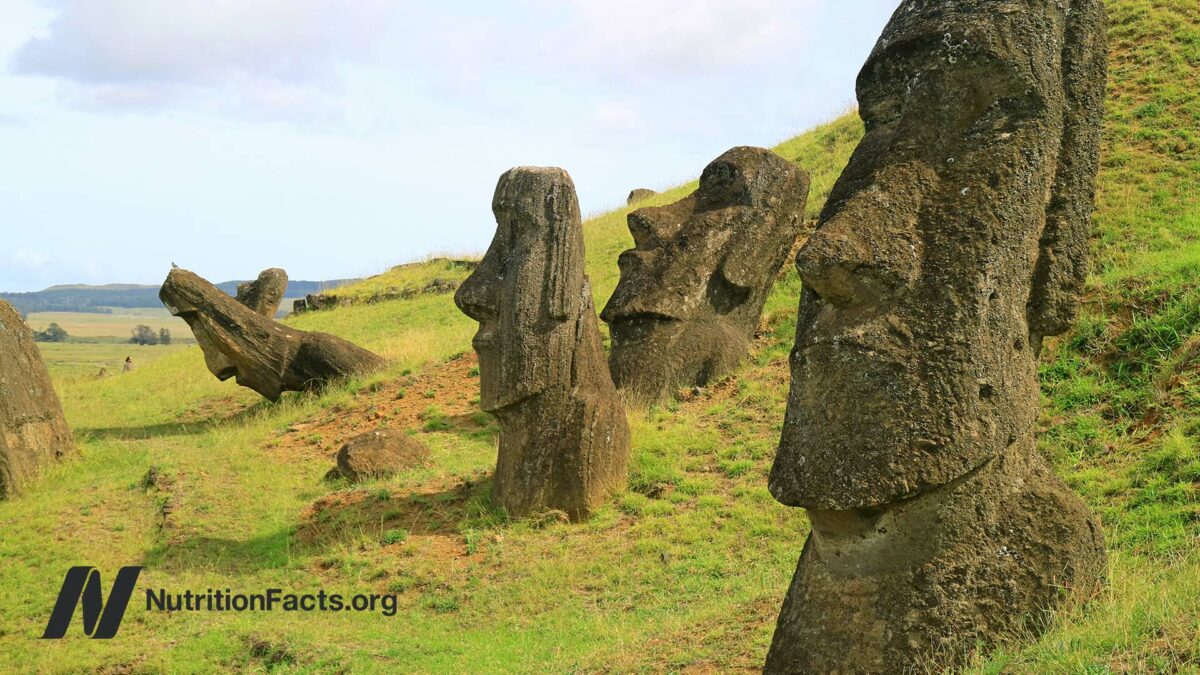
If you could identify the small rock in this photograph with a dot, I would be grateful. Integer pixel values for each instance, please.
(638, 194)
(379, 453)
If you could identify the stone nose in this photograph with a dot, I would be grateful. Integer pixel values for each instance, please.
(842, 266)
(828, 263)
(476, 296)
(648, 228)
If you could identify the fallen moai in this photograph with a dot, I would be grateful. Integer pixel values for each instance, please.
(564, 439)
(693, 288)
(955, 240)
(33, 431)
(260, 353)
(264, 294)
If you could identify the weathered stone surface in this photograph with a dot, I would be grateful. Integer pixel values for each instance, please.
(264, 294)
(692, 291)
(955, 240)
(33, 432)
(379, 453)
(319, 301)
(260, 353)
(564, 439)
(638, 194)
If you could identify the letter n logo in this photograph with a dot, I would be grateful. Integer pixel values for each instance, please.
(82, 586)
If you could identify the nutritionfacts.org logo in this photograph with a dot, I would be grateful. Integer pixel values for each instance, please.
(82, 587)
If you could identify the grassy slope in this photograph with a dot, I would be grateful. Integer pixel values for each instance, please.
(688, 567)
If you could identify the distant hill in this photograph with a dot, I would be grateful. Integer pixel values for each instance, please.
(99, 299)
(104, 287)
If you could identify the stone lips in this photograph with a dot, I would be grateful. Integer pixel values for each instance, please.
(260, 353)
(564, 439)
(692, 289)
(33, 431)
(953, 242)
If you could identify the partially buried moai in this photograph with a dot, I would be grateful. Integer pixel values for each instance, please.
(264, 294)
(693, 288)
(239, 340)
(564, 440)
(33, 431)
(955, 240)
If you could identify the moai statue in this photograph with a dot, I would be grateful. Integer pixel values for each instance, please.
(693, 288)
(638, 194)
(33, 431)
(264, 294)
(564, 440)
(260, 353)
(955, 240)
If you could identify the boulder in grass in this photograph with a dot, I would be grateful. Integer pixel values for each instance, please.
(638, 194)
(33, 431)
(378, 454)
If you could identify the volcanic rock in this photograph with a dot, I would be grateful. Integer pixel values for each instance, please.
(564, 439)
(33, 431)
(955, 240)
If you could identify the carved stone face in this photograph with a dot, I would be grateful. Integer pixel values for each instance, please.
(525, 294)
(264, 355)
(692, 289)
(926, 289)
(221, 335)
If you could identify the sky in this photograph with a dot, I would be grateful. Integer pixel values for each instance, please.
(337, 139)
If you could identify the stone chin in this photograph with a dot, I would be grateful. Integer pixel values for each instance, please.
(651, 356)
(641, 348)
(866, 429)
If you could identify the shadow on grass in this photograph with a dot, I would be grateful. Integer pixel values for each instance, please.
(346, 516)
(476, 425)
(336, 519)
(189, 428)
(227, 556)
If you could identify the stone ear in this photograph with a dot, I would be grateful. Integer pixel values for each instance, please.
(564, 242)
(745, 265)
(1061, 268)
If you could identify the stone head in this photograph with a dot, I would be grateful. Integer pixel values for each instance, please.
(526, 292)
(226, 330)
(693, 286)
(264, 294)
(953, 242)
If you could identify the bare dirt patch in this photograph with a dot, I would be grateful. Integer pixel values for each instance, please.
(451, 388)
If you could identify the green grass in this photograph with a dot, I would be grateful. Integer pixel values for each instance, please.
(85, 359)
(412, 277)
(687, 568)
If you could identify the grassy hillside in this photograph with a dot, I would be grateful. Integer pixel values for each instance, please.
(685, 571)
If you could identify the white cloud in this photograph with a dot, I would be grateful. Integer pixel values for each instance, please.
(259, 53)
(684, 36)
